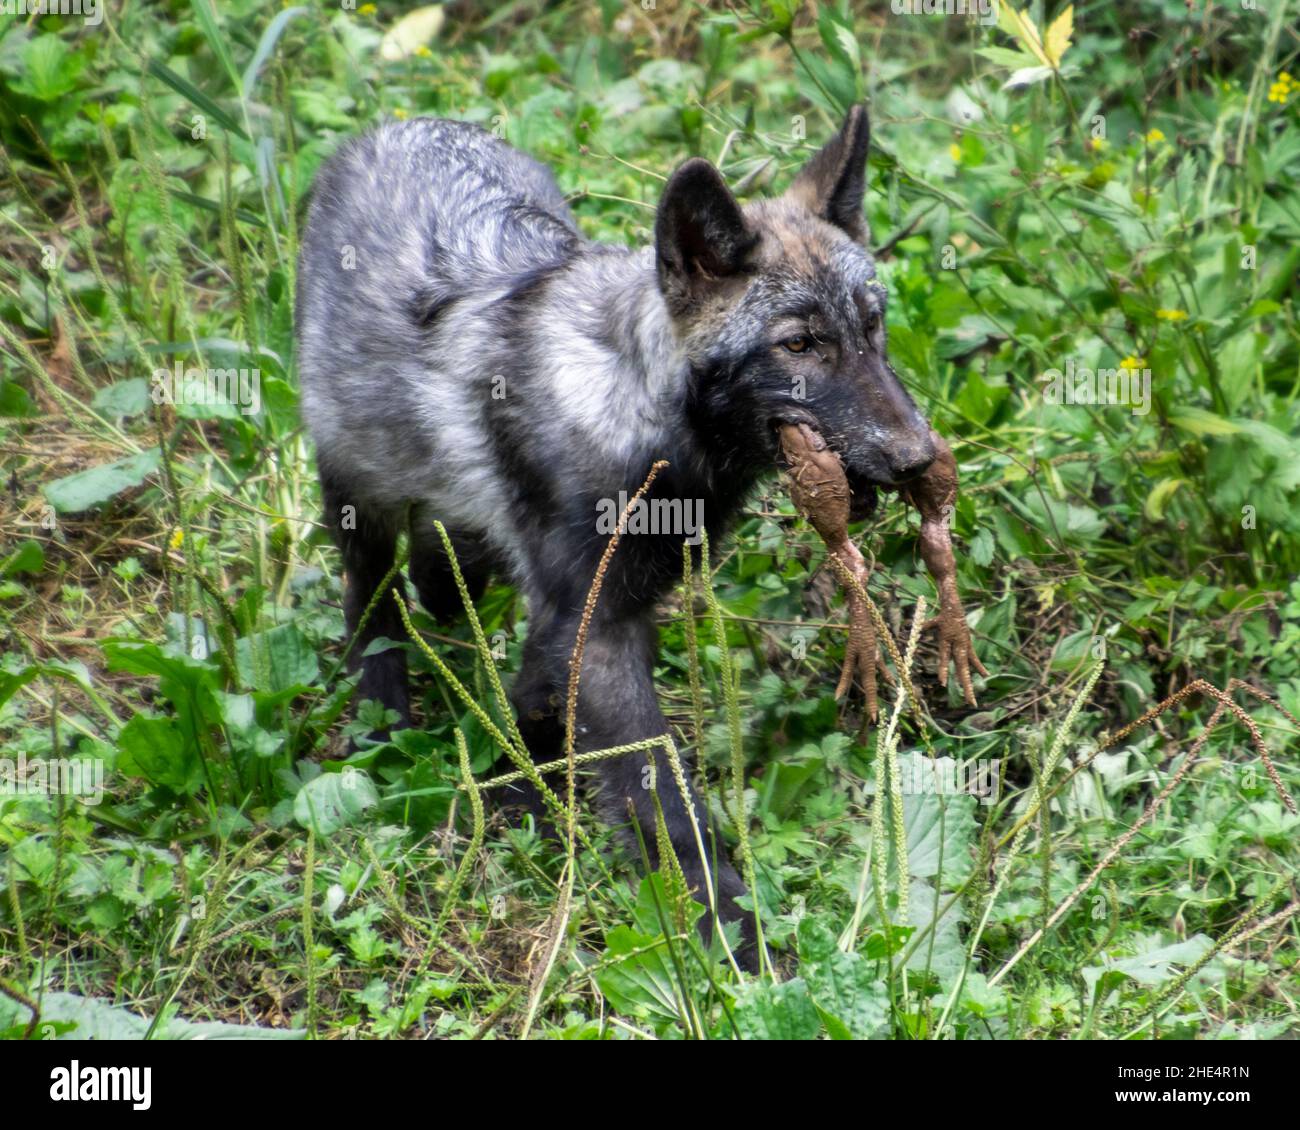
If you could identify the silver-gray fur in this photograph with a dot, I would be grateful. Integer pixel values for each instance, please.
(467, 355)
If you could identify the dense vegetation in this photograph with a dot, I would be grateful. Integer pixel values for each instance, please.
(1073, 189)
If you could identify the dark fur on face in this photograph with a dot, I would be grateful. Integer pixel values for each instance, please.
(467, 356)
(783, 319)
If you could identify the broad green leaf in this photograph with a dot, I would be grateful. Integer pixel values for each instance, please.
(29, 557)
(1271, 441)
(75, 493)
(787, 779)
(334, 800)
(155, 749)
(650, 896)
(982, 547)
(1237, 359)
(324, 108)
(642, 984)
(1053, 518)
(73, 1017)
(123, 398)
(16, 401)
(817, 939)
(1153, 964)
(50, 69)
(278, 659)
(942, 951)
(72, 670)
(979, 998)
(217, 393)
(939, 827)
(776, 1012)
(845, 986)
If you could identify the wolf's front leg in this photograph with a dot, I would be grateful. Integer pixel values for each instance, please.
(617, 706)
(367, 537)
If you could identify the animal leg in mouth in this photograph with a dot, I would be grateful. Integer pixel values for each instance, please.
(820, 491)
(934, 494)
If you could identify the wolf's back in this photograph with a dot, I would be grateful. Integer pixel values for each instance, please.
(414, 231)
(437, 205)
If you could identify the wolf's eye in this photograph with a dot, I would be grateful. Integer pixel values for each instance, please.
(800, 343)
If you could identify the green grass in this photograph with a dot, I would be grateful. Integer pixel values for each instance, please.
(170, 606)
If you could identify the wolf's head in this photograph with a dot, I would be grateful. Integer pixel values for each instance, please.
(778, 309)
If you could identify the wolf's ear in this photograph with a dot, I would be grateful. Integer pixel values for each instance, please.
(700, 234)
(834, 181)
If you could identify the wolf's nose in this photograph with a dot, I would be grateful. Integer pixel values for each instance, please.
(905, 464)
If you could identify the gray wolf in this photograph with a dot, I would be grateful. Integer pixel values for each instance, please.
(466, 355)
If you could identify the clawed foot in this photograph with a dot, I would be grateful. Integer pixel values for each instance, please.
(820, 491)
(934, 495)
(862, 657)
(955, 647)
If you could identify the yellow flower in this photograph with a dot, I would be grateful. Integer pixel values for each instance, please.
(177, 538)
(423, 52)
(366, 10)
(1132, 363)
(400, 114)
(1153, 136)
(1097, 144)
(1171, 315)
(954, 151)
